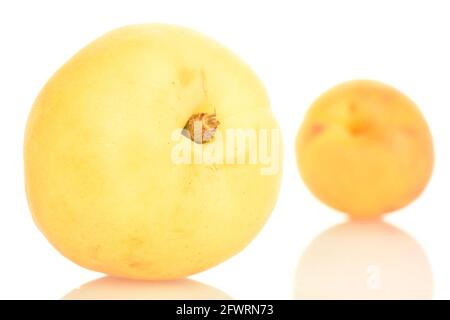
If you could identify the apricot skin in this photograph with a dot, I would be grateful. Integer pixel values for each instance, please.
(365, 149)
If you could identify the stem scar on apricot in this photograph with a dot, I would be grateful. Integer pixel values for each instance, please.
(201, 127)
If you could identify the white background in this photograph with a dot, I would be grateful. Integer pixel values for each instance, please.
(299, 49)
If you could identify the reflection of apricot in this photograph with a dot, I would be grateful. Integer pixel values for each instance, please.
(365, 149)
(109, 288)
(363, 260)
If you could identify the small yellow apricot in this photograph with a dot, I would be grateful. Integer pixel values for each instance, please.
(365, 149)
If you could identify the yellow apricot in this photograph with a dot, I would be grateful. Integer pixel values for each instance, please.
(104, 181)
(364, 149)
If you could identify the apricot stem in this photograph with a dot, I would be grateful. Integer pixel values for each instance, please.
(201, 127)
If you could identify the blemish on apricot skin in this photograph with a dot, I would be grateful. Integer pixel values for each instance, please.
(315, 130)
(185, 76)
(410, 131)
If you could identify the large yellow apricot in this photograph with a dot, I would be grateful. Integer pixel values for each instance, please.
(365, 149)
(116, 185)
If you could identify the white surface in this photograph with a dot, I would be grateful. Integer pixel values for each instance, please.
(299, 49)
